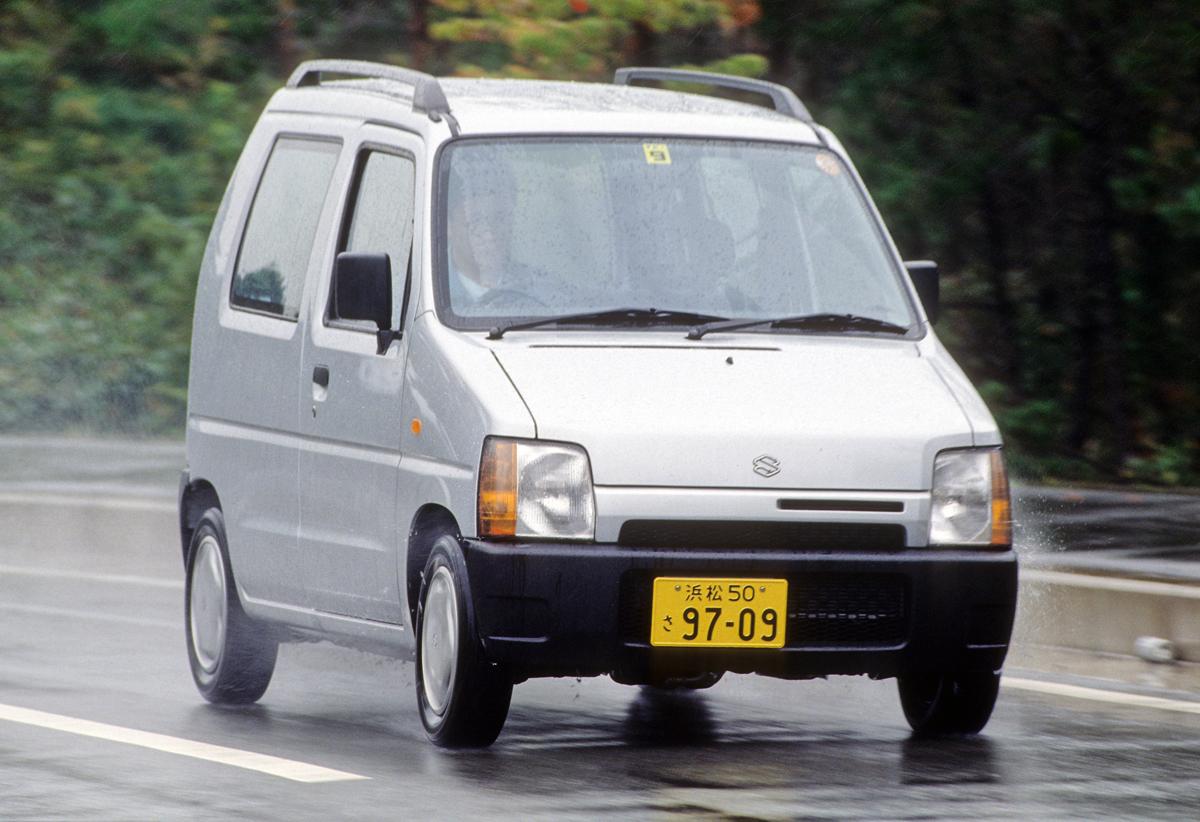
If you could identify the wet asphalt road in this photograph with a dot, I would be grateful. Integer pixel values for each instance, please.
(91, 628)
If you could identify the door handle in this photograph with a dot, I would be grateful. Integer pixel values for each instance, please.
(321, 376)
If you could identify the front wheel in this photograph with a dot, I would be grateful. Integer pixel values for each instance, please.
(462, 698)
(232, 658)
(959, 703)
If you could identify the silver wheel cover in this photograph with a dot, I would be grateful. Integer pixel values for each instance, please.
(439, 640)
(208, 608)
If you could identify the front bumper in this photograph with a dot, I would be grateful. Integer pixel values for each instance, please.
(563, 609)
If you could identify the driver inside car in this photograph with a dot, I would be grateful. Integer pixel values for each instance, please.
(480, 238)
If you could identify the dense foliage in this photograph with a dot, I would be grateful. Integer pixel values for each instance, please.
(1045, 152)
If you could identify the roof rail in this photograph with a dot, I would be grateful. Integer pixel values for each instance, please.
(784, 99)
(427, 95)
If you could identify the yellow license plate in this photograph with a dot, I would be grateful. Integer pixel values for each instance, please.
(695, 612)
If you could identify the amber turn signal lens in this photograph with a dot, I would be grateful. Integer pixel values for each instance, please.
(1001, 504)
(498, 489)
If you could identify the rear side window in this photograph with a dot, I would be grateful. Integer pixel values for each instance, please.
(381, 219)
(278, 241)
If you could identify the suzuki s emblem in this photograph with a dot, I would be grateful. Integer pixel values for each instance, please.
(766, 466)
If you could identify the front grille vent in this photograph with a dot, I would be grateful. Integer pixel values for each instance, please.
(846, 609)
(874, 506)
(764, 536)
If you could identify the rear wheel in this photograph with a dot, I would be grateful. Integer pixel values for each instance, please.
(462, 698)
(959, 703)
(232, 657)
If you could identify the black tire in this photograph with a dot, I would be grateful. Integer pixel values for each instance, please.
(939, 704)
(463, 706)
(231, 665)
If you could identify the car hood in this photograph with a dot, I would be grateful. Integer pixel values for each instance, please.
(855, 414)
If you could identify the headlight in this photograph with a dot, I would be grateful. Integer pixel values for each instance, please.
(535, 489)
(970, 499)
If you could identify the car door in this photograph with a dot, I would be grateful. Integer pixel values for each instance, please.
(350, 396)
(244, 411)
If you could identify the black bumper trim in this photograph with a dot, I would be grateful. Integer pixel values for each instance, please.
(561, 609)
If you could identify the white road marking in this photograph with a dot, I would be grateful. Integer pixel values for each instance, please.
(1101, 583)
(71, 613)
(262, 763)
(87, 576)
(154, 505)
(1098, 695)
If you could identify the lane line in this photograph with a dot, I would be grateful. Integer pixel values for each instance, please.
(1099, 695)
(1100, 583)
(87, 576)
(247, 760)
(76, 501)
(71, 613)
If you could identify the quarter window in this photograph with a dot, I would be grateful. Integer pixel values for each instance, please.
(381, 219)
(278, 241)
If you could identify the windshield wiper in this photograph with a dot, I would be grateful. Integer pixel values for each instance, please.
(613, 316)
(830, 322)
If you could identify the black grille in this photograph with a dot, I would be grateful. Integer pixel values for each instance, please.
(833, 610)
(847, 609)
(768, 536)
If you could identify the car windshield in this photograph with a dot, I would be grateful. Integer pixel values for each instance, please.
(732, 229)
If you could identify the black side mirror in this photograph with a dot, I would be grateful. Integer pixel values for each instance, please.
(924, 275)
(362, 289)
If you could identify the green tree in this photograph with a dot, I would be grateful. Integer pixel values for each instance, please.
(1046, 152)
(584, 39)
(1043, 152)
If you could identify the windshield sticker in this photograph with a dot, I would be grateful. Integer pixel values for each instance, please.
(657, 154)
(829, 164)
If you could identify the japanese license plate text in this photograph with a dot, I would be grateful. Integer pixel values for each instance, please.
(718, 613)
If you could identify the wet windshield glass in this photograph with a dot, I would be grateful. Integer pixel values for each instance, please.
(542, 227)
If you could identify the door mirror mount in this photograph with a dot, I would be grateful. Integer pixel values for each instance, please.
(924, 274)
(362, 289)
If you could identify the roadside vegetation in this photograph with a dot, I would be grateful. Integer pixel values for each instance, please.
(1045, 153)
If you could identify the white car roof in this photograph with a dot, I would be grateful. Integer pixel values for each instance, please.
(493, 107)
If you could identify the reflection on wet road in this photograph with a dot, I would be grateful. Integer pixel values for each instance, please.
(91, 629)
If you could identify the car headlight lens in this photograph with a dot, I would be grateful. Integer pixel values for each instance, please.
(970, 502)
(534, 489)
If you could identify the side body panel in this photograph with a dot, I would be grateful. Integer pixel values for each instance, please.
(458, 391)
(351, 429)
(243, 395)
